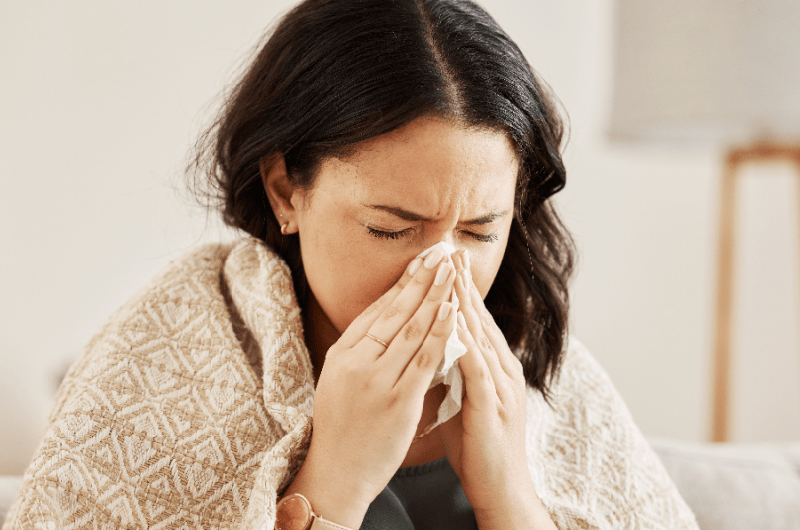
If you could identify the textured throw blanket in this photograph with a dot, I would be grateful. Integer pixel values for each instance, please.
(191, 408)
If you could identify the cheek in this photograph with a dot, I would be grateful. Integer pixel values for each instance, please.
(349, 286)
(483, 275)
(485, 264)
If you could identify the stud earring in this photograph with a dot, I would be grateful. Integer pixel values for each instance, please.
(283, 225)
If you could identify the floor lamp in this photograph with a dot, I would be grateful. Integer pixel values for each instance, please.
(734, 160)
(710, 74)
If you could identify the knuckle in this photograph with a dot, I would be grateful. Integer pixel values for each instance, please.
(485, 344)
(423, 359)
(432, 298)
(403, 281)
(373, 383)
(439, 332)
(418, 279)
(412, 330)
(504, 414)
(372, 308)
(349, 370)
(367, 386)
(484, 375)
(391, 312)
(394, 400)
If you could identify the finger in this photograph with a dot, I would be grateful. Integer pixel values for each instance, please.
(411, 337)
(510, 363)
(475, 326)
(418, 371)
(434, 270)
(361, 324)
(478, 380)
(458, 259)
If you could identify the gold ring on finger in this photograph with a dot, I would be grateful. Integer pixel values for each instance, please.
(376, 339)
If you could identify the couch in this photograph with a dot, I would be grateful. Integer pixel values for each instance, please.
(734, 486)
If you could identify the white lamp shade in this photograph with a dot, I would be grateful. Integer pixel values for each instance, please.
(714, 71)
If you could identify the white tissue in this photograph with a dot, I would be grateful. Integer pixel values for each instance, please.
(448, 371)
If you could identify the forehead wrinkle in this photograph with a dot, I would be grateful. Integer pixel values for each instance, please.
(463, 194)
(409, 182)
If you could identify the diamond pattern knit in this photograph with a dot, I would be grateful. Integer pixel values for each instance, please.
(191, 409)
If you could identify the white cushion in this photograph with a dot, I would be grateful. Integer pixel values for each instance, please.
(736, 486)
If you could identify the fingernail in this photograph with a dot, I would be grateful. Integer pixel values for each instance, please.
(414, 266)
(465, 259)
(444, 310)
(442, 274)
(461, 322)
(433, 258)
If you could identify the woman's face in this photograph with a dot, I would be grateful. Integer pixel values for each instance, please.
(371, 213)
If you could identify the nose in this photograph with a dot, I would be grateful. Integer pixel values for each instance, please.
(444, 236)
(449, 239)
(444, 230)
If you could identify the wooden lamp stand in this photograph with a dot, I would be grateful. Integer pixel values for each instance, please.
(734, 160)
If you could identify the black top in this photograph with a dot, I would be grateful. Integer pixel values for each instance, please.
(428, 496)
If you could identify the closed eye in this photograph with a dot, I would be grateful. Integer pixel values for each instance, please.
(397, 234)
(383, 234)
(484, 238)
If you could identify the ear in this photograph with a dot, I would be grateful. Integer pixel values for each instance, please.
(280, 192)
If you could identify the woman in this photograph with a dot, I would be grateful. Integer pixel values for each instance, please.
(363, 133)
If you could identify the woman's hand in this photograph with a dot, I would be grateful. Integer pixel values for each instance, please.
(369, 398)
(485, 442)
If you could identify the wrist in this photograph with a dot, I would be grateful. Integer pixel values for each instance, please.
(518, 509)
(294, 512)
(331, 497)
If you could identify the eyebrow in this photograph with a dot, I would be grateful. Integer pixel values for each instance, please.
(411, 216)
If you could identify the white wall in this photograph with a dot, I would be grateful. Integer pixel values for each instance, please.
(100, 102)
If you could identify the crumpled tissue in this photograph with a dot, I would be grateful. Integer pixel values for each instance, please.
(448, 371)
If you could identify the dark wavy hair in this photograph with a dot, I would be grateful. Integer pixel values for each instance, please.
(336, 72)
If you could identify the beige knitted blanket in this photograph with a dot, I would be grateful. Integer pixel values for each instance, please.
(191, 409)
